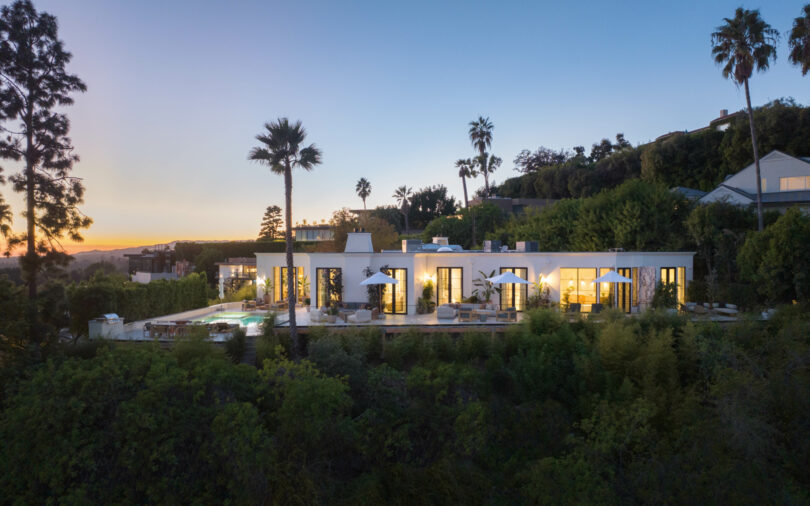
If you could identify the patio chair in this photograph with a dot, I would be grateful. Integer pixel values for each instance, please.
(360, 316)
(445, 312)
(575, 307)
(596, 308)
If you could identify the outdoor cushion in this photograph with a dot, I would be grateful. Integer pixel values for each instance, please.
(445, 312)
(360, 316)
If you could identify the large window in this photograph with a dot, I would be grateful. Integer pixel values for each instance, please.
(449, 285)
(789, 184)
(280, 283)
(628, 292)
(328, 286)
(675, 276)
(395, 297)
(512, 294)
(577, 286)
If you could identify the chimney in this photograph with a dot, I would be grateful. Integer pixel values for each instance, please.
(359, 242)
(723, 112)
(492, 246)
(441, 241)
(527, 246)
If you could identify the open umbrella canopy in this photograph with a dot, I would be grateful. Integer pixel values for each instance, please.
(379, 279)
(507, 277)
(612, 277)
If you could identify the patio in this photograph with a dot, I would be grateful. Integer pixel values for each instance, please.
(400, 320)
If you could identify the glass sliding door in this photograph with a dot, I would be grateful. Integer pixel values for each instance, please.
(675, 276)
(515, 294)
(281, 282)
(449, 289)
(395, 297)
(628, 292)
(577, 286)
(328, 284)
(606, 290)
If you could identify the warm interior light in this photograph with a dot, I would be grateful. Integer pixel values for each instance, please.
(427, 277)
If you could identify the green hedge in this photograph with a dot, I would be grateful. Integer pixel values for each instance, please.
(133, 301)
(232, 249)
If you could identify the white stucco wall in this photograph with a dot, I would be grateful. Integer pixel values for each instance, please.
(422, 265)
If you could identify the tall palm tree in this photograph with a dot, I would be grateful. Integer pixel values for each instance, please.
(744, 43)
(363, 189)
(403, 196)
(799, 41)
(487, 164)
(281, 151)
(481, 138)
(466, 168)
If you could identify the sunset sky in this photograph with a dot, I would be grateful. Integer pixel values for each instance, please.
(178, 90)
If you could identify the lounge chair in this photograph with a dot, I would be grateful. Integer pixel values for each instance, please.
(359, 316)
(506, 315)
(445, 312)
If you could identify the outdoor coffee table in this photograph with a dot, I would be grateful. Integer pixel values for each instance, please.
(344, 314)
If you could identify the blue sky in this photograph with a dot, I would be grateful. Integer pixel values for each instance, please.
(178, 90)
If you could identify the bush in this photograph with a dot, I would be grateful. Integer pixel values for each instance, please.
(665, 296)
(236, 345)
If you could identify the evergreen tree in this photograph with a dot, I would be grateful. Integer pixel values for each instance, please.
(34, 87)
(271, 224)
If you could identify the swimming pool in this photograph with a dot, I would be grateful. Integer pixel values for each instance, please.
(243, 319)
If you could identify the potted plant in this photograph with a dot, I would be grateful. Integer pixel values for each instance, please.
(306, 304)
(333, 313)
(485, 289)
(303, 289)
(268, 290)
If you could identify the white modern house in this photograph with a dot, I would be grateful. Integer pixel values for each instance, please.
(785, 183)
(453, 272)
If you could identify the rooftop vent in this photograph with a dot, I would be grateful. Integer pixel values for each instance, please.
(409, 245)
(616, 250)
(441, 241)
(527, 246)
(492, 246)
(445, 249)
(723, 112)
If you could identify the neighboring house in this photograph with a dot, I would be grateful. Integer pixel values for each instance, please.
(151, 265)
(236, 272)
(785, 183)
(689, 193)
(315, 232)
(453, 271)
(721, 123)
(513, 206)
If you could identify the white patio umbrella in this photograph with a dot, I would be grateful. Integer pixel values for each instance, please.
(506, 278)
(613, 277)
(379, 278)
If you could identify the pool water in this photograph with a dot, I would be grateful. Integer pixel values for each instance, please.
(243, 319)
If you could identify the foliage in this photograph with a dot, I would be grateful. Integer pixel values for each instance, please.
(383, 234)
(799, 41)
(628, 411)
(132, 301)
(236, 345)
(777, 261)
(485, 289)
(425, 303)
(665, 296)
(246, 292)
(458, 229)
(636, 216)
(363, 189)
(271, 224)
(428, 204)
(34, 91)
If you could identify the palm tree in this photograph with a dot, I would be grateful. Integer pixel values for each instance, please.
(466, 168)
(487, 164)
(363, 189)
(403, 195)
(799, 41)
(741, 45)
(481, 138)
(281, 151)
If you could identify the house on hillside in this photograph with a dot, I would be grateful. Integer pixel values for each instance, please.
(785, 183)
(235, 272)
(453, 272)
(513, 205)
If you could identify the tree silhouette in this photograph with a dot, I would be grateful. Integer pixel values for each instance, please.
(281, 151)
(363, 189)
(271, 224)
(34, 85)
(799, 41)
(741, 45)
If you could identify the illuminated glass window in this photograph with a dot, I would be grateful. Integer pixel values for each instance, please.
(449, 285)
(789, 184)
